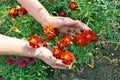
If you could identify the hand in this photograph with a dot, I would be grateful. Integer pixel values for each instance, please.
(45, 54)
(64, 24)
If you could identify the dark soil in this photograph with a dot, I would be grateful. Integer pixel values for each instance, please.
(107, 66)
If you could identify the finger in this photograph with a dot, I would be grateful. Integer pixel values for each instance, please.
(77, 31)
(82, 26)
(74, 31)
(72, 34)
(59, 63)
(59, 67)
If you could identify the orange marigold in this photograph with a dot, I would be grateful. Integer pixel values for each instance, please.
(67, 57)
(13, 12)
(56, 52)
(65, 41)
(49, 32)
(73, 5)
(60, 44)
(62, 13)
(81, 40)
(34, 41)
(14, 28)
(90, 35)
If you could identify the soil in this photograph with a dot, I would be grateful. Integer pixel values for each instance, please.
(106, 62)
(107, 66)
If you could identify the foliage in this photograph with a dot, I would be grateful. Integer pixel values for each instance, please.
(100, 15)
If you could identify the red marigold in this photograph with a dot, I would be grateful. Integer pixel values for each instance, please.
(81, 40)
(10, 61)
(49, 31)
(56, 52)
(67, 57)
(13, 12)
(73, 5)
(22, 11)
(62, 13)
(45, 42)
(65, 41)
(90, 35)
(34, 41)
(56, 32)
(60, 44)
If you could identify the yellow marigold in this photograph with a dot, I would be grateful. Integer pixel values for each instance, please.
(14, 28)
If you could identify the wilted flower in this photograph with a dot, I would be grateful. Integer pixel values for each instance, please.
(34, 41)
(56, 32)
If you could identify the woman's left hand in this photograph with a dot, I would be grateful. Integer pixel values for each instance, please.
(64, 24)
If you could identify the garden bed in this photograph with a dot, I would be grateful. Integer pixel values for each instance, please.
(107, 66)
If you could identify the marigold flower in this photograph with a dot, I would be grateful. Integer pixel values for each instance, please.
(30, 60)
(14, 28)
(49, 32)
(45, 42)
(56, 52)
(10, 61)
(34, 41)
(21, 63)
(60, 44)
(90, 35)
(13, 12)
(56, 32)
(22, 11)
(81, 40)
(62, 13)
(67, 57)
(73, 5)
(65, 41)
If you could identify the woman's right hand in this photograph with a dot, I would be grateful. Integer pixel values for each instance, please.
(46, 55)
